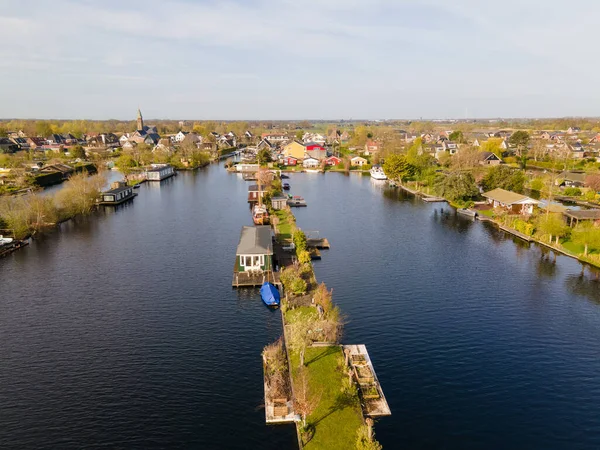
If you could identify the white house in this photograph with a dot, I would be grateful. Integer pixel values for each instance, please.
(179, 137)
(310, 162)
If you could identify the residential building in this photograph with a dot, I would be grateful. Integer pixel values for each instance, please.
(295, 149)
(255, 250)
(511, 201)
(159, 172)
(310, 163)
(358, 161)
(489, 159)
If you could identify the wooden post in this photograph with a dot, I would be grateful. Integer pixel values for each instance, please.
(370, 428)
(347, 355)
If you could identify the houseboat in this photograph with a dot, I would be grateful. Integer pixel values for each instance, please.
(159, 172)
(377, 173)
(119, 193)
(254, 258)
(260, 215)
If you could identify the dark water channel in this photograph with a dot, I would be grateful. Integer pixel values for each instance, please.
(122, 330)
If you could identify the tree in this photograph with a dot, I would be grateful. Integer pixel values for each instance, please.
(520, 139)
(126, 163)
(397, 167)
(504, 177)
(586, 234)
(493, 145)
(457, 186)
(466, 158)
(299, 335)
(305, 400)
(457, 136)
(593, 182)
(552, 225)
(299, 134)
(264, 156)
(77, 151)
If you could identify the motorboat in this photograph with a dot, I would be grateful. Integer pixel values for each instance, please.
(286, 186)
(260, 215)
(269, 294)
(377, 173)
(296, 201)
(5, 241)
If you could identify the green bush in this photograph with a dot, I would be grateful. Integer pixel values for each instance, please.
(304, 257)
(572, 192)
(524, 227)
(298, 286)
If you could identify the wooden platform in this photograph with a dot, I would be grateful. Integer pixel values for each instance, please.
(433, 199)
(372, 407)
(245, 279)
(515, 233)
(280, 412)
(321, 243)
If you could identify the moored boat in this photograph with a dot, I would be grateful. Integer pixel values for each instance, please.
(377, 173)
(286, 186)
(269, 294)
(260, 215)
(296, 201)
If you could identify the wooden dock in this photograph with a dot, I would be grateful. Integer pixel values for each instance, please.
(320, 243)
(515, 233)
(432, 199)
(373, 403)
(13, 246)
(246, 279)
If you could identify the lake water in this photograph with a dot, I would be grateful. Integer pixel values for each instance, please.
(122, 329)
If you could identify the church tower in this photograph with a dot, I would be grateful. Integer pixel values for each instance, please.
(140, 121)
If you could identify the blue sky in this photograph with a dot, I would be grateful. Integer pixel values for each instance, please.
(283, 59)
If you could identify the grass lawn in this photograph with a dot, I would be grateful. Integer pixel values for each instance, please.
(572, 247)
(338, 416)
(487, 212)
(284, 227)
(293, 315)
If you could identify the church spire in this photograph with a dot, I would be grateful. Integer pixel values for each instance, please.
(140, 121)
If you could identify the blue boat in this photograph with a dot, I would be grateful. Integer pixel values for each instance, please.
(269, 294)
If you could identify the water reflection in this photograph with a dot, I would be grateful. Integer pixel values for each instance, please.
(585, 285)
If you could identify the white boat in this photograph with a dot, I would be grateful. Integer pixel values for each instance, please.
(5, 241)
(377, 173)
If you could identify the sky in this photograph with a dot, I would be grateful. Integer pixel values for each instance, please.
(303, 59)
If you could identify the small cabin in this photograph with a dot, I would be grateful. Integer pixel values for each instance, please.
(511, 201)
(159, 172)
(279, 202)
(255, 250)
(118, 194)
(255, 193)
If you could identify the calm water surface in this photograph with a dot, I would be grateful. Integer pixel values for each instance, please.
(122, 330)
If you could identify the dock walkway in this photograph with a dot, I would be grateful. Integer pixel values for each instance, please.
(246, 279)
(374, 403)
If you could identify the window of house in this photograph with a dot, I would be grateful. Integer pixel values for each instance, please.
(257, 260)
(248, 261)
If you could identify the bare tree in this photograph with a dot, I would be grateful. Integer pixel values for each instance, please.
(305, 401)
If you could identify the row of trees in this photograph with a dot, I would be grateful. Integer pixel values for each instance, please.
(26, 215)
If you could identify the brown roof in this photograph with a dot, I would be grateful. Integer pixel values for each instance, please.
(508, 197)
(583, 214)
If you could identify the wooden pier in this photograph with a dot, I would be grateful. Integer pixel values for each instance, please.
(320, 243)
(515, 233)
(13, 246)
(277, 410)
(249, 279)
(374, 403)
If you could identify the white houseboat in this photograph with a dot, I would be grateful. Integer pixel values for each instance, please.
(119, 193)
(159, 172)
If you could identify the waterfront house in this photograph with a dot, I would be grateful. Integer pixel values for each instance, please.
(279, 202)
(511, 201)
(289, 161)
(315, 150)
(573, 217)
(295, 149)
(489, 159)
(310, 163)
(118, 194)
(159, 172)
(255, 193)
(265, 143)
(333, 161)
(275, 138)
(255, 250)
(358, 161)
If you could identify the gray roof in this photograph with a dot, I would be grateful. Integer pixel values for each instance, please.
(255, 241)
